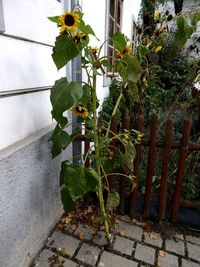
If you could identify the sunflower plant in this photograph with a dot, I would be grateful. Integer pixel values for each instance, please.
(80, 98)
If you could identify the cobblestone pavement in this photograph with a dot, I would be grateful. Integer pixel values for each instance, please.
(131, 247)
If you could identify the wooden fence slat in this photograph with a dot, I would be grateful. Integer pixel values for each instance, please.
(164, 171)
(150, 163)
(181, 169)
(134, 194)
(126, 125)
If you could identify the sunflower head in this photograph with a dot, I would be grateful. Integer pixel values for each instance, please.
(80, 110)
(94, 49)
(127, 51)
(69, 22)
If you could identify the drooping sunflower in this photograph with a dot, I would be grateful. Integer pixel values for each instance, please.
(127, 51)
(80, 110)
(69, 22)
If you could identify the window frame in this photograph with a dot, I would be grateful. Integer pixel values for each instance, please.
(2, 24)
(116, 18)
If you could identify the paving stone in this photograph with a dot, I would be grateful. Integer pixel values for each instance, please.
(86, 232)
(145, 254)
(63, 242)
(186, 263)
(155, 242)
(88, 254)
(176, 247)
(193, 239)
(129, 230)
(193, 251)
(46, 258)
(123, 245)
(112, 260)
(100, 239)
(168, 260)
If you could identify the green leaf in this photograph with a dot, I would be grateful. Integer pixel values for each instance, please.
(60, 139)
(54, 19)
(66, 199)
(63, 96)
(78, 180)
(194, 18)
(112, 201)
(64, 50)
(129, 68)
(119, 40)
(86, 29)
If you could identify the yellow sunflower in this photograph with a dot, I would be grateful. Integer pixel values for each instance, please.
(127, 51)
(158, 48)
(80, 110)
(69, 22)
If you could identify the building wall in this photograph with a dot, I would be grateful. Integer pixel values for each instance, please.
(29, 191)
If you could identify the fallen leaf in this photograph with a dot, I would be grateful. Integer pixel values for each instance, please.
(162, 253)
(73, 227)
(81, 235)
(153, 235)
(123, 233)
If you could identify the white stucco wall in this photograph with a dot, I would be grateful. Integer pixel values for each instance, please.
(25, 64)
(29, 191)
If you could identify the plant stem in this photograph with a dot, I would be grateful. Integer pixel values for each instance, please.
(97, 162)
(114, 111)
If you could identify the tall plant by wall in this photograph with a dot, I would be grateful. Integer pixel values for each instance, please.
(80, 98)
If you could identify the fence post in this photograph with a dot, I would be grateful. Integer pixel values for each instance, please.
(181, 168)
(164, 171)
(150, 163)
(126, 125)
(134, 194)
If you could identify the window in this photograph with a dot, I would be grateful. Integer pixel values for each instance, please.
(113, 26)
(2, 26)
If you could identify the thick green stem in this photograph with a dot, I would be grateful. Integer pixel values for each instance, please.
(97, 162)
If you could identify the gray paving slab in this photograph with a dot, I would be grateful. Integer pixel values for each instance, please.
(168, 261)
(64, 243)
(123, 245)
(100, 239)
(88, 254)
(193, 251)
(176, 247)
(158, 241)
(129, 230)
(145, 253)
(187, 263)
(84, 232)
(110, 260)
(193, 239)
(48, 258)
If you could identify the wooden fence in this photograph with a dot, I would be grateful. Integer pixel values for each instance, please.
(184, 146)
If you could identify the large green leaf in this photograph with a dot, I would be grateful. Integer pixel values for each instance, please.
(63, 96)
(86, 29)
(129, 68)
(66, 199)
(112, 201)
(64, 50)
(195, 18)
(60, 139)
(119, 40)
(78, 180)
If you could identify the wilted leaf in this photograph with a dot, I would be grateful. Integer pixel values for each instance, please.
(81, 235)
(73, 227)
(128, 157)
(153, 235)
(112, 201)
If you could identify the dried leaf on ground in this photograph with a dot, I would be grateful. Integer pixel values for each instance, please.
(162, 253)
(123, 233)
(153, 235)
(81, 235)
(73, 227)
